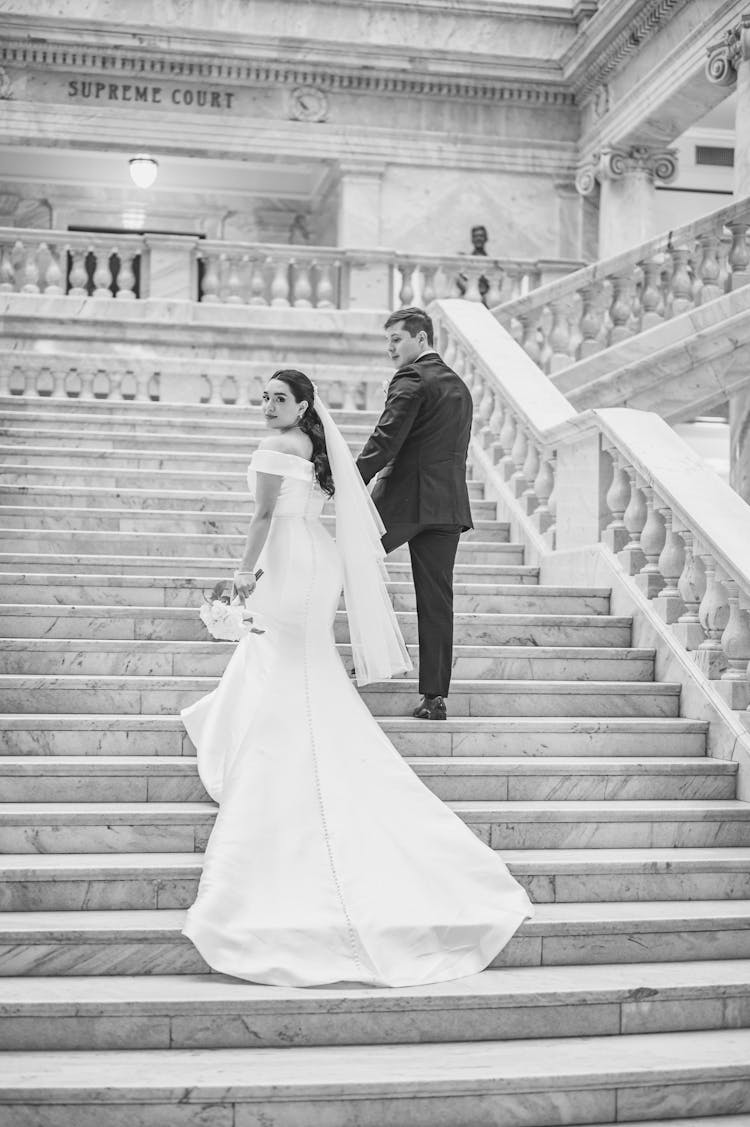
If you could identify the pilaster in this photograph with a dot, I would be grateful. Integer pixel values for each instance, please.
(728, 64)
(626, 178)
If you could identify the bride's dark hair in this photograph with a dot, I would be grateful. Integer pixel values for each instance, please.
(303, 391)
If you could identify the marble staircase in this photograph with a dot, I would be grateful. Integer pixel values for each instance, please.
(627, 998)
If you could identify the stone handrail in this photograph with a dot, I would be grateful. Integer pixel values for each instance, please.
(82, 264)
(614, 477)
(606, 303)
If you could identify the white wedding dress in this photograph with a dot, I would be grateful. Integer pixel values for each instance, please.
(329, 860)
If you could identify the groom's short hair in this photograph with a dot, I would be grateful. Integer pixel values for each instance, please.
(415, 321)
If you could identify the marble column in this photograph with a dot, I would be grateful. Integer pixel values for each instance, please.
(728, 65)
(626, 180)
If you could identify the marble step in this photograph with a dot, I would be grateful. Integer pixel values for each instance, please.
(199, 454)
(119, 658)
(160, 778)
(18, 409)
(216, 520)
(531, 1083)
(148, 497)
(60, 734)
(150, 942)
(514, 1003)
(148, 435)
(24, 620)
(179, 827)
(478, 540)
(160, 695)
(185, 591)
(106, 881)
(510, 569)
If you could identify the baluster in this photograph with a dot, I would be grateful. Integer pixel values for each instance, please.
(125, 278)
(681, 285)
(450, 351)
(616, 535)
(53, 275)
(102, 274)
(325, 286)
(544, 484)
(211, 282)
(7, 271)
(653, 537)
(87, 383)
(735, 643)
(58, 386)
(258, 283)
(530, 341)
(494, 427)
(691, 585)
(709, 268)
(530, 470)
(350, 396)
(78, 275)
(559, 337)
(552, 502)
(651, 295)
(473, 273)
(590, 323)
(507, 437)
(713, 614)
(513, 281)
(29, 270)
(280, 284)
(4, 381)
(428, 284)
(634, 518)
(668, 604)
(234, 281)
(518, 452)
(302, 285)
(476, 387)
(739, 257)
(406, 293)
(485, 410)
(142, 381)
(494, 295)
(621, 308)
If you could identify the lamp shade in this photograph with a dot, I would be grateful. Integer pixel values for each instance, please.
(143, 170)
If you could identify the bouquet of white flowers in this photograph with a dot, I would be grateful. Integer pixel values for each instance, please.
(225, 618)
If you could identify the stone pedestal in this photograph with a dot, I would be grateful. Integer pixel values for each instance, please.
(627, 177)
(172, 268)
(739, 443)
(360, 218)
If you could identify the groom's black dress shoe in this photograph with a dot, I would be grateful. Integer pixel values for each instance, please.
(431, 708)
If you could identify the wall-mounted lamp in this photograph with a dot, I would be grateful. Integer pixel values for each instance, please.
(143, 170)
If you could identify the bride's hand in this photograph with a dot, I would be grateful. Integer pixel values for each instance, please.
(244, 584)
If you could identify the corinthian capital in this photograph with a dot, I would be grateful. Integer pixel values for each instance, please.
(725, 56)
(615, 163)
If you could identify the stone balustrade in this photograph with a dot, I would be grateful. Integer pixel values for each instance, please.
(610, 301)
(66, 263)
(86, 377)
(70, 263)
(615, 478)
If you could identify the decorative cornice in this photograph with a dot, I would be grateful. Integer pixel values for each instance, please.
(602, 57)
(725, 56)
(185, 66)
(614, 163)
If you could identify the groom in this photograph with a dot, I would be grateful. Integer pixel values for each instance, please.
(418, 449)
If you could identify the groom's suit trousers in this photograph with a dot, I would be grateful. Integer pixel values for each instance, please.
(433, 553)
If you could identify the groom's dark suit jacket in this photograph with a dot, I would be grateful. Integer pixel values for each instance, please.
(419, 446)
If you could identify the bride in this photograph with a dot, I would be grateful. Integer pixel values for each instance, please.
(329, 860)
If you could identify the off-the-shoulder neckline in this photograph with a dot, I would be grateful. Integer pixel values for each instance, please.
(285, 454)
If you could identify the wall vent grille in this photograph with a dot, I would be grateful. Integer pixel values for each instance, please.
(713, 154)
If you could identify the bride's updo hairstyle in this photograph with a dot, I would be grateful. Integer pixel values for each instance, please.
(303, 391)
